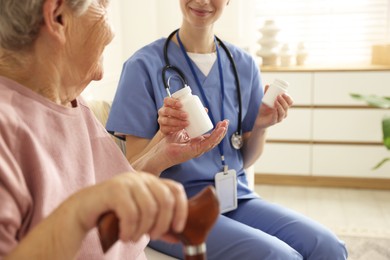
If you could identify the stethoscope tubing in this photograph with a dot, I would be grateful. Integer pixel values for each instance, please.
(168, 66)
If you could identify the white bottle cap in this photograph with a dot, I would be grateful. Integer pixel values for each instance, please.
(281, 83)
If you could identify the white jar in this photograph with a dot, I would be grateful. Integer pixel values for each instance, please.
(200, 122)
(285, 56)
(275, 89)
(301, 54)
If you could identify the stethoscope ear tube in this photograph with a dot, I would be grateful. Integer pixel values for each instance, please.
(166, 85)
(179, 74)
(168, 66)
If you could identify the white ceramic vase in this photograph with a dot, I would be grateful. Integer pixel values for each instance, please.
(268, 43)
(301, 54)
(285, 55)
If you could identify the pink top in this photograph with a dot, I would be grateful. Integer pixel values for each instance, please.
(48, 152)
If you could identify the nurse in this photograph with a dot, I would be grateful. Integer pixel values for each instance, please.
(249, 227)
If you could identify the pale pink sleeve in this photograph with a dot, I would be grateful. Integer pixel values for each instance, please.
(14, 199)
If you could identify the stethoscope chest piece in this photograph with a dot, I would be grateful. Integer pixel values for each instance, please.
(236, 140)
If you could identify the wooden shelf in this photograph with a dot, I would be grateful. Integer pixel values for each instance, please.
(338, 68)
(322, 181)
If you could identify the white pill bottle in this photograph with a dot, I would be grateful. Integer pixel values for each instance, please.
(275, 89)
(200, 122)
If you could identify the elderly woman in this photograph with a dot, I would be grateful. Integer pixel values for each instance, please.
(59, 169)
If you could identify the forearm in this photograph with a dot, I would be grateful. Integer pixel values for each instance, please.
(153, 161)
(253, 146)
(254, 142)
(137, 147)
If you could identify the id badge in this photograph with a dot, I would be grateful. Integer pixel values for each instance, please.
(226, 187)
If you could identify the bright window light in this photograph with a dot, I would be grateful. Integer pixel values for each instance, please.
(333, 31)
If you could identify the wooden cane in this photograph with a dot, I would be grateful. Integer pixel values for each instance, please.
(203, 211)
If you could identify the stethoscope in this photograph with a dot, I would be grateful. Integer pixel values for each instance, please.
(236, 138)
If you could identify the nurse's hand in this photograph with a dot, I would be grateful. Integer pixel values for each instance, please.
(171, 118)
(269, 116)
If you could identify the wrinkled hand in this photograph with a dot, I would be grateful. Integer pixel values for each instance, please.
(143, 203)
(179, 148)
(269, 116)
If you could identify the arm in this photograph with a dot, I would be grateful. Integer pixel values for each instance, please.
(137, 147)
(170, 118)
(153, 206)
(170, 145)
(253, 146)
(254, 141)
(176, 148)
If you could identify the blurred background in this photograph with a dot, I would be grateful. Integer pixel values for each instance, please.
(331, 32)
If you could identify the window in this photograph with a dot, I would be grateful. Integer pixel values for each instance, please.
(333, 31)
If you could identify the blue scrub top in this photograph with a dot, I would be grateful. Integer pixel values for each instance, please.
(141, 93)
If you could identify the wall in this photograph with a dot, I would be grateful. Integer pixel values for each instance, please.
(137, 23)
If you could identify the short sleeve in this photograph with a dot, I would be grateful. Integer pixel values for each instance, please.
(14, 197)
(134, 110)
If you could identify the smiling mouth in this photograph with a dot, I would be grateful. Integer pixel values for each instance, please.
(200, 12)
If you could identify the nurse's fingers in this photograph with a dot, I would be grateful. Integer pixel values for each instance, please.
(167, 111)
(171, 120)
(172, 102)
(172, 117)
(283, 102)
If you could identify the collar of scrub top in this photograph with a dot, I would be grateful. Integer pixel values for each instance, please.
(189, 62)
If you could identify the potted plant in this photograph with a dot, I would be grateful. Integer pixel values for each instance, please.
(380, 102)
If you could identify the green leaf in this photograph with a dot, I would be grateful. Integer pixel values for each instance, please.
(381, 102)
(381, 163)
(373, 100)
(386, 132)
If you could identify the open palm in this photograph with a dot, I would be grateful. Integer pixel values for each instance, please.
(181, 148)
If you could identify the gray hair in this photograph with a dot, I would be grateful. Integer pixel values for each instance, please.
(21, 20)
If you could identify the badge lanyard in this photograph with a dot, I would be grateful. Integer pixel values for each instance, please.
(220, 145)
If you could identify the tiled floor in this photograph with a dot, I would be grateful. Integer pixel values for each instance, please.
(345, 211)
